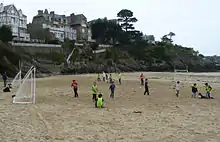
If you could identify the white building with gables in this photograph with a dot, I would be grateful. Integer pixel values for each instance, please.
(10, 15)
(57, 24)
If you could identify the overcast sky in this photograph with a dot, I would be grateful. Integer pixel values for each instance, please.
(196, 23)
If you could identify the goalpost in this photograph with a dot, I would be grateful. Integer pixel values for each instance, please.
(181, 75)
(17, 80)
(27, 89)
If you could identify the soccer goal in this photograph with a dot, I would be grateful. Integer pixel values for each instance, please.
(181, 75)
(17, 80)
(26, 91)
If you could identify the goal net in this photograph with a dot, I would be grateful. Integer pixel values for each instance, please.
(26, 91)
(15, 83)
(182, 76)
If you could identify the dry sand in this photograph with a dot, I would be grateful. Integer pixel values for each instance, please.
(58, 117)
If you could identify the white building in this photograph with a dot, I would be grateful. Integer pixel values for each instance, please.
(57, 24)
(9, 15)
(61, 32)
(149, 38)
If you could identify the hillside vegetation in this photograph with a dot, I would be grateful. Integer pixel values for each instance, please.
(131, 51)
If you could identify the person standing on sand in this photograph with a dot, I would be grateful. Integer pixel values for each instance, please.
(74, 85)
(146, 87)
(208, 89)
(98, 77)
(4, 77)
(194, 90)
(112, 89)
(142, 79)
(94, 91)
(177, 87)
(106, 77)
(110, 78)
(103, 76)
(119, 78)
(99, 101)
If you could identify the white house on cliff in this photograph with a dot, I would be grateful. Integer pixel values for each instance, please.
(10, 15)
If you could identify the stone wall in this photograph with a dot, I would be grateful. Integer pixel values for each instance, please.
(36, 48)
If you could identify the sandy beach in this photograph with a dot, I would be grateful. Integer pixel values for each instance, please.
(59, 117)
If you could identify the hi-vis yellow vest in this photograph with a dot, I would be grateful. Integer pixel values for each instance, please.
(94, 89)
(208, 89)
(119, 76)
(99, 102)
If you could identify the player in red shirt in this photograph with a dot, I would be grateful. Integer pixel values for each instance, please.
(75, 88)
(142, 78)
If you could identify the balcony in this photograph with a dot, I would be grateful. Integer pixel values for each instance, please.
(23, 26)
(22, 34)
(15, 34)
(52, 28)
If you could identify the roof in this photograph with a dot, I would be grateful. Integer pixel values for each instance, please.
(8, 6)
(78, 18)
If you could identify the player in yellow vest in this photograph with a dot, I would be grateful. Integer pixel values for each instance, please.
(99, 101)
(94, 91)
(119, 78)
(98, 77)
(208, 89)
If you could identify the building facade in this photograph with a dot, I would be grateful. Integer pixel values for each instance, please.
(59, 25)
(90, 33)
(11, 16)
(149, 38)
(79, 22)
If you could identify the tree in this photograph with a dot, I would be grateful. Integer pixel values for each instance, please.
(171, 34)
(105, 31)
(113, 32)
(136, 35)
(98, 28)
(5, 34)
(166, 39)
(125, 17)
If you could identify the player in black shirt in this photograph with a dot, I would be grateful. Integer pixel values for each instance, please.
(194, 90)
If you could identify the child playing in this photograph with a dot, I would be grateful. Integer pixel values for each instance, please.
(194, 90)
(112, 89)
(110, 78)
(106, 77)
(99, 101)
(103, 76)
(8, 88)
(146, 87)
(94, 91)
(142, 78)
(98, 77)
(177, 87)
(204, 97)
(208, 89)
(74, 85)
(119, 78)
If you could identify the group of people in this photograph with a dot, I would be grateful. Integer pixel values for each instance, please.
(195, 91)
(144, 82)
(108, 77)
(96, 96)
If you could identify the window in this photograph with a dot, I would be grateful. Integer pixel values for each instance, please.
(13, 20)
(83, 30)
